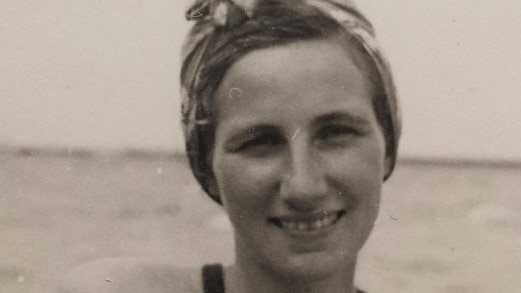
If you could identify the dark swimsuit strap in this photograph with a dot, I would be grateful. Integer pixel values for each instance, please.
(213, 278)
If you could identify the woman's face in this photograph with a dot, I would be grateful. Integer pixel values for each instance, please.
(299, 158)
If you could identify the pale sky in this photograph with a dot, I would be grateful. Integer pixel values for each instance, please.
(104, 74)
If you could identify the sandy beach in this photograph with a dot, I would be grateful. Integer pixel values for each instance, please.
(443, 228)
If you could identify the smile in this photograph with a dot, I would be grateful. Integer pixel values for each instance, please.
(312, 223)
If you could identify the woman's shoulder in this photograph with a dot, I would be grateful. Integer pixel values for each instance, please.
(132, 275)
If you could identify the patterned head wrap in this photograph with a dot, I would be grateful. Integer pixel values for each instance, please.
(226, 30)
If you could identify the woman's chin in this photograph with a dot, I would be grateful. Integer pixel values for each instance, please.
(314, 265)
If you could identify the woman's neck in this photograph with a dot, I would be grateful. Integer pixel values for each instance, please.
(254, 279)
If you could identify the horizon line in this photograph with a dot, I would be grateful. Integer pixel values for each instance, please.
(135, 153)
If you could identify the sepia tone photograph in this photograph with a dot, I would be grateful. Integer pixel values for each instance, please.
(281, 146)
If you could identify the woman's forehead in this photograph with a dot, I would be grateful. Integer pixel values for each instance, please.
(316, 66)
(299, 82)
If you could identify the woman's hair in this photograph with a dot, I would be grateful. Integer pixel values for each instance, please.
(226, 30)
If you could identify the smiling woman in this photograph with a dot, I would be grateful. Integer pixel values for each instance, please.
(291, 123)
(298, 161)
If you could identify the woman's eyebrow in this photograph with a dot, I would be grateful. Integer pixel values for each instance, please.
(342, 116)
(252, 131)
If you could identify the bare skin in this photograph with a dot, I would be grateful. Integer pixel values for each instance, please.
(142, 275)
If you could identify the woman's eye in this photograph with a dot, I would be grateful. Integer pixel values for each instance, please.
(336, 134)
(259, 145)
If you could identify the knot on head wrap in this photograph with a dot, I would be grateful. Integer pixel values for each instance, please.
(226, 30)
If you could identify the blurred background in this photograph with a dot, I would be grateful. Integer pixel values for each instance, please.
(91, 151)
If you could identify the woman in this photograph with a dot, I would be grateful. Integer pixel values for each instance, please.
(291, 123)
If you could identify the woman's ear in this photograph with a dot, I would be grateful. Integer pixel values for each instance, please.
(213, 189)
(388, 165)
(212, 186)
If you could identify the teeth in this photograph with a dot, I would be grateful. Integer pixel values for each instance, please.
(316, 225)
(302, 226)
(326, 221)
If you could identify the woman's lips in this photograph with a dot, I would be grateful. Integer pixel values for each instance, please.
(307, 223)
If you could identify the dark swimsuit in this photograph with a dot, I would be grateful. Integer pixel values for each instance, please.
(213, 279)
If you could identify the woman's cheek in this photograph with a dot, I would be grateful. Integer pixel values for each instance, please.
(250, 179)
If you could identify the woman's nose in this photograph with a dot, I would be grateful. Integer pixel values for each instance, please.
(304, 184)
